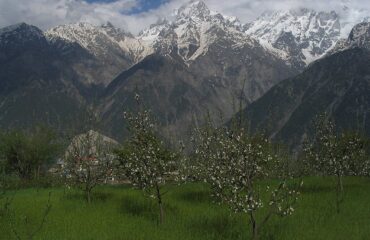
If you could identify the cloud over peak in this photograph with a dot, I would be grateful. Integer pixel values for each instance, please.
(125, 14)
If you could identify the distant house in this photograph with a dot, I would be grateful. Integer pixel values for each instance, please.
(91, 146)
(89, 142)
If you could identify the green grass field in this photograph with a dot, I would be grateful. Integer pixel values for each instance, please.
(118, 212)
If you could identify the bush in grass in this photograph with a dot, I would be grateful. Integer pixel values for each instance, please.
(232, 161)
(89, 161)
(333, 154)
(145, 159)
(27, 152)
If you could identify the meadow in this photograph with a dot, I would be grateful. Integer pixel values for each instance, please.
(120, 212)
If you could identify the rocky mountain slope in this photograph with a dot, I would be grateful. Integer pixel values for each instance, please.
(338, 84)
(36, 83)
(202, 62)
(358, 38)
(112, 49)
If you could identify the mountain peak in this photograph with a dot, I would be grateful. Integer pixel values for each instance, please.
(194, 9)
(20, 33)
(21, 27)
(358, 38)
(108, 25)
(360, 33)
(304, 34)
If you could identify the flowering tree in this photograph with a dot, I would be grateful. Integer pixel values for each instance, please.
(232, 162)
(337, 155)
(145, 159)
(89, 161)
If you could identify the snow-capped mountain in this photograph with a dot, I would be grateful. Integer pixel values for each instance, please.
(196, 61)
(201, 61)
(350, 16)
(102, 41)
(298, 36)
(192, 31)
(337, 84)
(303, 35)
(112, 50)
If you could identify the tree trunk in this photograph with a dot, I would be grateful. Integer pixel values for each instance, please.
(339, 192)
(255, 231)
(254, 226)
(160, 204)
(88, 194)
(161, 212)
(38, 172)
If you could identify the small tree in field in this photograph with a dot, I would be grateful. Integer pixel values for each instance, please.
(89, 161)
(232, 162)
(145, 159)
(337, 155)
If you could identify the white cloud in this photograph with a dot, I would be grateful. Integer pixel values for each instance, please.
(48, 13)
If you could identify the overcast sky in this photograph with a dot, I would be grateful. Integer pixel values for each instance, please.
(134, 15)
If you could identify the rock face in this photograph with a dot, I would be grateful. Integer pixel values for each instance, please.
(301, 35)
(192, 31)
(358, 38)
(338, 84)
(111, 50)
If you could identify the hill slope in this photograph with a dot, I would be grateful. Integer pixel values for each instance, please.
(338, 84)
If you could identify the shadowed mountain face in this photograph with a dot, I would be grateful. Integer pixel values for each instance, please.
(180, 94)
(202, 62)
(338, 84)
(52, 81)
(36, 83)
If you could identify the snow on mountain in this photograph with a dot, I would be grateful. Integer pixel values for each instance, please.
(298, 36)
(101, 41)
(350, 16)
(304, 35)
(192, 31)
(358, 37)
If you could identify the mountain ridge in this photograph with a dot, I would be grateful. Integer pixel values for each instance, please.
(200, 61)
(338, 84)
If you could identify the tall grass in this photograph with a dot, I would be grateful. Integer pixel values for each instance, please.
(118, 212)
